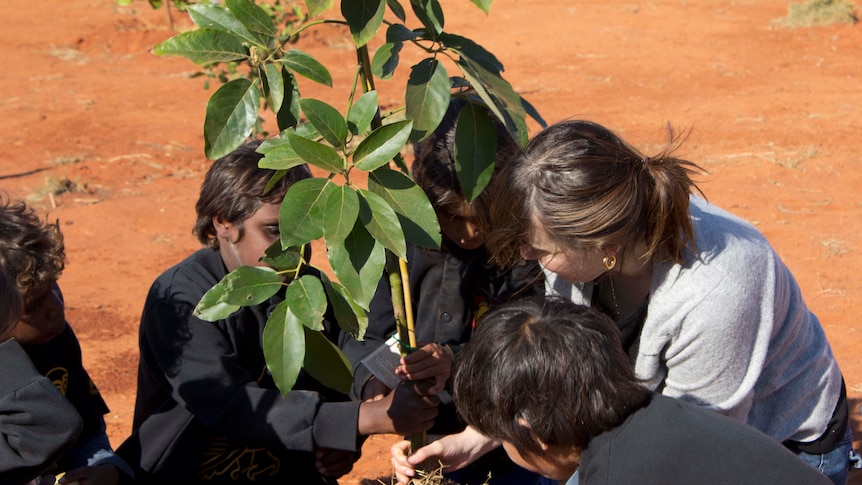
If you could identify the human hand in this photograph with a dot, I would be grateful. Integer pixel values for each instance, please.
(453, 452)
(334, 463)
(405, 410)
(92, 475)
(374, 390)
(427, 362)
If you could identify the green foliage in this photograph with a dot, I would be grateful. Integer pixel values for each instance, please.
(475, 150)
(250, 49)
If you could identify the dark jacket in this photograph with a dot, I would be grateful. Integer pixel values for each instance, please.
(207, 409)
(37, 424)
(671, 442)
(59, 359)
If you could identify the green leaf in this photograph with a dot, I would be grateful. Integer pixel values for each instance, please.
(328, 120)
(485, 5)
(361, 113)
(284, 347)
(364, 17)
(351, 317)
(300, 218)
(533, 113)
(382, 145)
(397, 9)
(317, 7)
(501, 99)
(307, 66)
(417, 216)
(280, 157)
(211, 307)
(386, 60)
(231, 115)
(218, 18)
(253, 18)
(204, 46)
(250, 285)
(475, 149)
(317, 154)
(471, 50)
(288, 115)
(342, 209)
(306, 299)
(358, 263)
(428, 93)
(326, 363)
(273, 86)
(288, 261)
(429, 13)
(381, 221)
(400, 33)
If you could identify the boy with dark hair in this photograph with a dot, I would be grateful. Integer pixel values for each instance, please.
(548, 380)
(33, 255)
(37, 424)
(207, 408)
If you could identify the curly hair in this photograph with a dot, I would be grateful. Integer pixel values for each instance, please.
(32, 252)
(11, 306)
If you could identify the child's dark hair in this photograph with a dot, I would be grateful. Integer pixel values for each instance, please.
(11, 306)
(233, 190)
(433, 166)
(32, 252)
(554, 364)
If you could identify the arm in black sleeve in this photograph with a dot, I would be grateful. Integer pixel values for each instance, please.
(37, 424)
(206, 368)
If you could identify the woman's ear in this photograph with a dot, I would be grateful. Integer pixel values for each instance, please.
(610, 250)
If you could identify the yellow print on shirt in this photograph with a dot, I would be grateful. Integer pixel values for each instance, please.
(59, 376)
(238, 464)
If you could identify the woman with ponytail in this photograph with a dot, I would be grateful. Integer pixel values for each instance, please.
(708, 312)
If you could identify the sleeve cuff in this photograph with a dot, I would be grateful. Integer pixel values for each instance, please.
(335, 426)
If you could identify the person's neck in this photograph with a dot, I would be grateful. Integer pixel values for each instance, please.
(633, 280)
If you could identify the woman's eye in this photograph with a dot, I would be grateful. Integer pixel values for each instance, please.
(272, 230)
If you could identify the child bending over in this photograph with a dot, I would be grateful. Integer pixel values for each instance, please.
(548, 381)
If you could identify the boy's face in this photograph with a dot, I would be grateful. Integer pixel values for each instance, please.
(260, 231)
(556, 463)
(461, 227)
(44, 317)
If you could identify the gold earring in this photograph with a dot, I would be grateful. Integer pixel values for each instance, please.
(609, 262)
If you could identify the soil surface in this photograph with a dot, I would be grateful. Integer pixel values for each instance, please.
(775, 116)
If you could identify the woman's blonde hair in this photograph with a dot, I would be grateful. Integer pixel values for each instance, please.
(586, 188)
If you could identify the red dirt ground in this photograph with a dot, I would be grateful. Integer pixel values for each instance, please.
(776, 117)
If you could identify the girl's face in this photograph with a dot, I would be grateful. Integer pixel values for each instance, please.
(44, 317)
(572, 265)
(461, 227)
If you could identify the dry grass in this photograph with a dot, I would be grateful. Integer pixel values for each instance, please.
(818, 12)
(434, 477)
